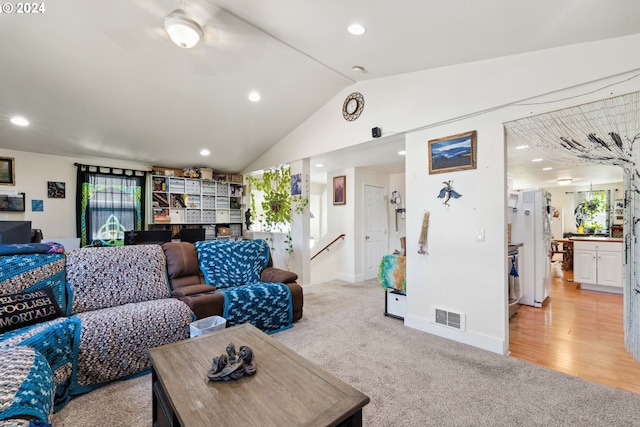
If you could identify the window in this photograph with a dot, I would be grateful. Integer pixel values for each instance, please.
(592, 212)
(109, 203)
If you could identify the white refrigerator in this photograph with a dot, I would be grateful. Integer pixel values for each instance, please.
(529, 213)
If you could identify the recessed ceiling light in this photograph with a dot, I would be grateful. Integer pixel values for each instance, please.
(547, 168)
(319, 165)
(521, 147)
(19, 121)
(204, 152)
(564, 181)
(356, 29)
(254, 97)
(537, 160)
(402, 152)
(357, 69)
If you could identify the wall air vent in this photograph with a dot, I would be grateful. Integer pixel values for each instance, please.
(448, 319)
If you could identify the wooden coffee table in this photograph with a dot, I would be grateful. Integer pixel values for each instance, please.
(287, 389)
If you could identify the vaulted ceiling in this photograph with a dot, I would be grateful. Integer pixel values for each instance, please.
(101, 79)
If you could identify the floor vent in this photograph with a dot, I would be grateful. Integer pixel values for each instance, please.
(449, 319)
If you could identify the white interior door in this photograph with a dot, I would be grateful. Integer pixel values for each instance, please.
(375, 229)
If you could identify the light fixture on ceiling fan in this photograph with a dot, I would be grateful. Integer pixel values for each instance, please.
(183, 31)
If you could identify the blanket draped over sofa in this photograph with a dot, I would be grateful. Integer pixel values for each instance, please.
(26, 384)
(234, 268)
(119, 318)
(99, 311)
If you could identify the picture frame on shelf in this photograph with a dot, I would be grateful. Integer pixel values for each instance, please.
(340, 190)
(453, 153)
(7, 171)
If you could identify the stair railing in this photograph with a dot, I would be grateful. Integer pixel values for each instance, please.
(326, 248)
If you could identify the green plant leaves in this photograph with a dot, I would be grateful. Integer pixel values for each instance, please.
(278, 203)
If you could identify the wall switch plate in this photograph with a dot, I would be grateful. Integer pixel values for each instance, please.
(480, 236)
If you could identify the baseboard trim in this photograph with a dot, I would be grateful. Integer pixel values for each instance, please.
(468, 337)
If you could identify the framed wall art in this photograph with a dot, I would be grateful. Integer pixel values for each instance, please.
(37, 205)
(55, 190)
(339, 190)
(296, 184)
(453, 153)
(7, 171)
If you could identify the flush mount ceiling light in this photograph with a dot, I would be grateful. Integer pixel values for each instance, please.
(204, 152)
(564, 181)
(183, 31)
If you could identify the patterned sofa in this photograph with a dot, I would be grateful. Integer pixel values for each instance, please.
(89, 319)
(235, 280)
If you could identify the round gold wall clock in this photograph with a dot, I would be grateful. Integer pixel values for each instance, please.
(353, 106)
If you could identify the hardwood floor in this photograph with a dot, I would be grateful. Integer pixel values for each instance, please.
(577, 332)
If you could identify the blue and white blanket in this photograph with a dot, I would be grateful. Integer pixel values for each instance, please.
(234, 268)
(26, 384)
(267, 306)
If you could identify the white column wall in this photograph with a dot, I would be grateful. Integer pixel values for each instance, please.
(300, 227)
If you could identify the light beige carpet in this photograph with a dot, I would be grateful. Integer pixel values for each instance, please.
(412, 378)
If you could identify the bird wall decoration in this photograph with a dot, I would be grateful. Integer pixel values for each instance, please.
(447, 192)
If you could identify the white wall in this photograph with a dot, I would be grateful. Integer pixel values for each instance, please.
(340, 219)
(318, 206)
(461, 274)
(32, 171)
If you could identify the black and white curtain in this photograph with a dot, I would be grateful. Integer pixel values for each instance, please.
(109, 202)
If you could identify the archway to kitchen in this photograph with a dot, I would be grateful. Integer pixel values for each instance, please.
(587, 143)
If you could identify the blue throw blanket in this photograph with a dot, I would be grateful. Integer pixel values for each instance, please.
(227, 263)
(234, 268)
(36, 271)
(54, 341)
(267, 306)
(27, 384)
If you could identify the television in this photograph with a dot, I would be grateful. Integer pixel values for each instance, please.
(12, 232)
(12, 202)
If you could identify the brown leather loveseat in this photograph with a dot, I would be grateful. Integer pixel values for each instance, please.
(188, 284)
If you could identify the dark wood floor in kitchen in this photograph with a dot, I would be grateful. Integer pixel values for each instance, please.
(577, 332)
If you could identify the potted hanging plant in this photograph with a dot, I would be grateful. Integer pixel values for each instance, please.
(588, 209)
(277, 204)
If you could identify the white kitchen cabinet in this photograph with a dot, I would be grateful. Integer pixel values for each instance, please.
(598, 265)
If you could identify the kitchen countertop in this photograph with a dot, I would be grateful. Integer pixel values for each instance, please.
(595, 239)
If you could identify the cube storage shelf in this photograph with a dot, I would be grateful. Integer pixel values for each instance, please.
(216, 205)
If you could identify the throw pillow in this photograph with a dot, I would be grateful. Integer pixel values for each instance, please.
(27, 308)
